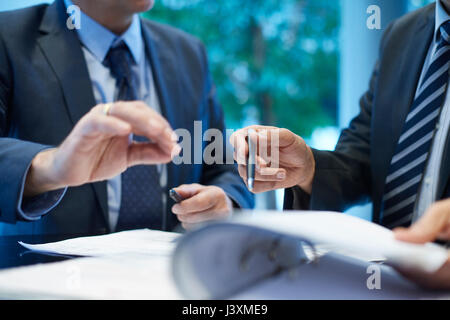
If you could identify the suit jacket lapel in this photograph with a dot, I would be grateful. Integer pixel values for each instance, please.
(396, 85)
(415, 53)
(419, 42)
(62, 49)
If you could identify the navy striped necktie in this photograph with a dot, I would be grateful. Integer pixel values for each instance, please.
(409, 162)
(141, 201)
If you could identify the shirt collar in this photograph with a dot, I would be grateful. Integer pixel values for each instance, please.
(98, 40)
(442, 17)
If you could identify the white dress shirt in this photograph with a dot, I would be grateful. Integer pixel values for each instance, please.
(96, 42)
(428, 190)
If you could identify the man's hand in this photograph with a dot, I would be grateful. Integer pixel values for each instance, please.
(203, 203)
(434, 225)
(99, 148)
(295, 165)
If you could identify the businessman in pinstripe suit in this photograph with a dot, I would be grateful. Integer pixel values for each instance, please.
(395, 153)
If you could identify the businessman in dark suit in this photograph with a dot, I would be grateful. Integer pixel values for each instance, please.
(396, 152)
(75, 160)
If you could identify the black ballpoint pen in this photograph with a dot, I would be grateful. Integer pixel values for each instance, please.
(175, 196)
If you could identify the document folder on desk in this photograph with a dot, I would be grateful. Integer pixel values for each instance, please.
(299, 256)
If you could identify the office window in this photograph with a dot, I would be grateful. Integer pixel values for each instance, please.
(277, 62)
(286, 63)
(415, 4)
(282, 62)
(274, 62)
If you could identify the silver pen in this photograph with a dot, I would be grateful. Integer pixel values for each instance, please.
(251, 160)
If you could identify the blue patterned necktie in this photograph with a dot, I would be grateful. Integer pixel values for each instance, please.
(409, 162)
(141, 202)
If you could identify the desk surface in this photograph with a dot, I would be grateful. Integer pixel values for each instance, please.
(12, 254)
(138, 276)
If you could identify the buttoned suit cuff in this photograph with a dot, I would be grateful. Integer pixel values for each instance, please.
(33, 208)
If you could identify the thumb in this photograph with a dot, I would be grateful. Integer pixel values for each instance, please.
(188, 190)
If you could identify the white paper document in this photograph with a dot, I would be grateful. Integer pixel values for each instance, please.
(145, 241)
(148, 264)
(126, 265)
(350, 236)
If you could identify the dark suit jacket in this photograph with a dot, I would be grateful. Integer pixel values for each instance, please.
(45, 89)
(356, 171)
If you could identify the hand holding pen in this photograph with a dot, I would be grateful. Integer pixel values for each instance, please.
(293, 165)
(197, 204)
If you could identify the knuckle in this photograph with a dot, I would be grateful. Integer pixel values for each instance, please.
(140, 105)
(89, 125)
(285, 131)
(220, 192)
(208, 200)
(184, 218)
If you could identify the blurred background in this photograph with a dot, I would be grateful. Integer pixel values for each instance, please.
(297, 64)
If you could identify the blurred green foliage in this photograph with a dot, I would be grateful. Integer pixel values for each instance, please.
(273, 61)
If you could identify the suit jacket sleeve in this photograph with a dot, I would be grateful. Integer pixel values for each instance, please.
(224, 175)
(343, 177)
(15, 160)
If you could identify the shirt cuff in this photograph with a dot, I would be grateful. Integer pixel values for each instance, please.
(32, 209)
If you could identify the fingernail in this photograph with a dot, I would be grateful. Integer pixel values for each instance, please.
(176, 150)
(281, 175)
(174, 136)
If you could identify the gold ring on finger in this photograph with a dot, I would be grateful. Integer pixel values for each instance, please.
(107, 109)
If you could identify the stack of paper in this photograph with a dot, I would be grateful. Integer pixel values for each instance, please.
(125, 265)
(149, 242)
